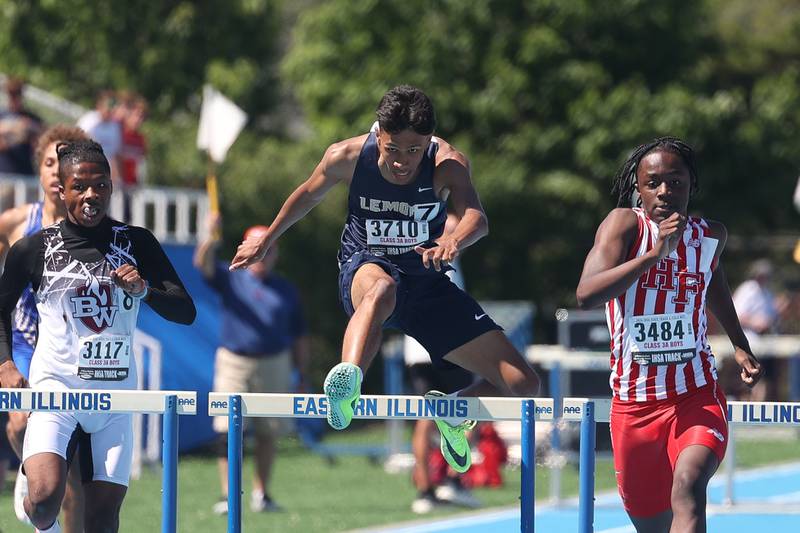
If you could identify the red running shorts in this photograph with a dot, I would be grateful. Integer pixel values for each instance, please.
(648, 437)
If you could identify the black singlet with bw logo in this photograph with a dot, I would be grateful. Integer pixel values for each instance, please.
(87, 321)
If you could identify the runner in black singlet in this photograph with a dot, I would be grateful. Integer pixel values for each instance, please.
(16, 223)
(89, 274)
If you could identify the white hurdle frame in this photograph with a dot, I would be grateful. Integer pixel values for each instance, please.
(237, 406)
(169, 403)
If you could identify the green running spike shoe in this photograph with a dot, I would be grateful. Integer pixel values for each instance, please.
(343, 389)
(454, 443)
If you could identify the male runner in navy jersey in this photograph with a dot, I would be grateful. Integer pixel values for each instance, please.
(89, 274)
(393, 259)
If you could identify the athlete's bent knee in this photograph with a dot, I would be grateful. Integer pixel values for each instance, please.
(382, 294)
(688, 492)
(43, 506)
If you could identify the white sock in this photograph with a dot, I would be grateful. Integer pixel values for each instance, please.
(55, 528)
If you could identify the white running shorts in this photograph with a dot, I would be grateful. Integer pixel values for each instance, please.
(105, 442)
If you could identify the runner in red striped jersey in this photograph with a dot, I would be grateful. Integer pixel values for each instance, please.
(656, 268)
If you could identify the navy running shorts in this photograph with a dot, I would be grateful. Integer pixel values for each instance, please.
(429, 308)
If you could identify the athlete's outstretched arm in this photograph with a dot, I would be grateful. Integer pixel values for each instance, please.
(720, 303)
(22, 261)
(606, 274)
(166, 296)
(336, 165)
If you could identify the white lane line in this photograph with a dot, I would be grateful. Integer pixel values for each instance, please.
(623, 529)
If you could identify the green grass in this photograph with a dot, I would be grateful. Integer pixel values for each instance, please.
(750, 453)
(318, 496)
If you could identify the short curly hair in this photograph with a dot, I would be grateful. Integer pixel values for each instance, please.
(56, 134)
(406, 107)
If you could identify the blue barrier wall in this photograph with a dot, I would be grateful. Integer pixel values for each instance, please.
(187, 352)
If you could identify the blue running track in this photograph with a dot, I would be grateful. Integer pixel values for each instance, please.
(772, 485)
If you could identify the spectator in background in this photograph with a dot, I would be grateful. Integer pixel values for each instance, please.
(130, 112)
(759, 312)
(263, 335)
(797, 206)
(101, 126)
(797, 195)
(19, 129)
(122, 103)
(755, 304)
(134, 144)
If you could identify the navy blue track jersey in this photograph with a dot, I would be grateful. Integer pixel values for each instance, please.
(388, 220)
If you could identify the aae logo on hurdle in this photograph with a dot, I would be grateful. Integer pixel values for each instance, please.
(218, 404)
(777, 413)
(573, 408)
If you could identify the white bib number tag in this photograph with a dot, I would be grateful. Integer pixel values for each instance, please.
(104, 357)
(661, 339)
(396, 233)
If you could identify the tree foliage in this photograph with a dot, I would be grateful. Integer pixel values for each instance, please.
(546, 97)
(164, 50)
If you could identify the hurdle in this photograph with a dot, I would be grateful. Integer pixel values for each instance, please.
(169, 403)
(587, 411)
(239, 406)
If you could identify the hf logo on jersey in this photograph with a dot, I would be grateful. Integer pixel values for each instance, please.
(94, 305)
(665, 276)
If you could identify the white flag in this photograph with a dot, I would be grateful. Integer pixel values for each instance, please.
(220, 123)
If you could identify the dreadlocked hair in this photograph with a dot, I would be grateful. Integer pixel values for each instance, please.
(80, 151)
(625, 178)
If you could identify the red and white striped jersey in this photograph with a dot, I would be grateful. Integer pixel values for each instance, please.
(659, 347)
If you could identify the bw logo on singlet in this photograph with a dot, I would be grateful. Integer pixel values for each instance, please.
(94, 305)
